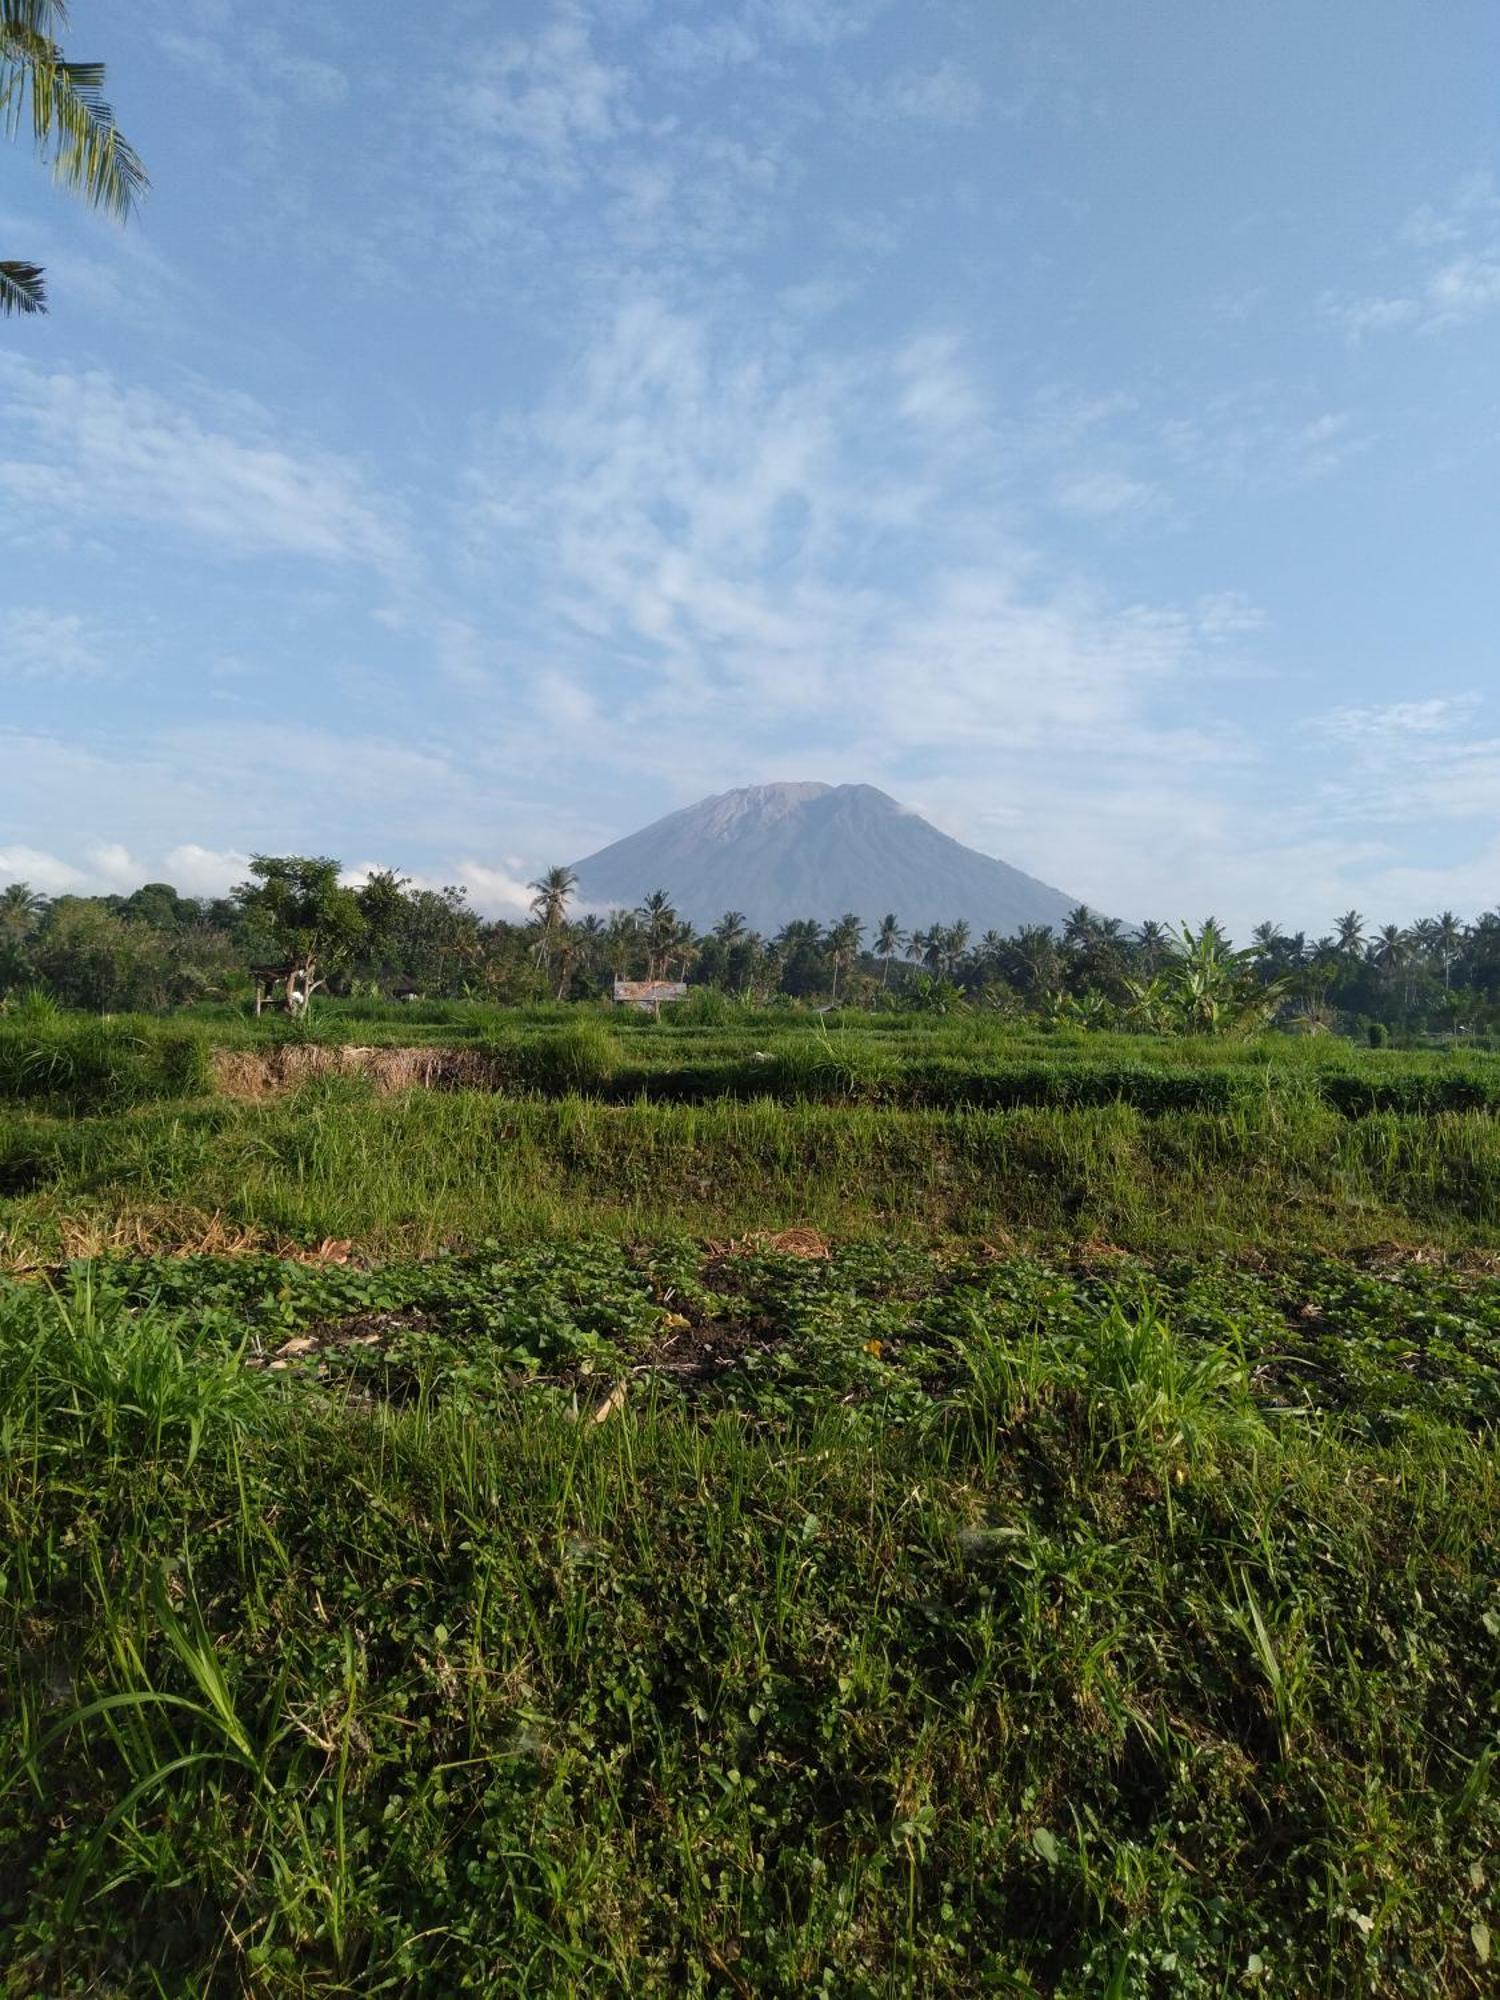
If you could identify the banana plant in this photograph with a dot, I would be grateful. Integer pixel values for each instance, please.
(1206, 988)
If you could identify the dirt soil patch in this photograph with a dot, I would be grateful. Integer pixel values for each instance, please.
(373, 1329)
(697, 1352)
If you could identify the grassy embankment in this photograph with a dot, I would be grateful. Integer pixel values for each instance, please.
(604, 1613)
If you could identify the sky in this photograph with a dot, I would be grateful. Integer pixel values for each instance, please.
(505, 423)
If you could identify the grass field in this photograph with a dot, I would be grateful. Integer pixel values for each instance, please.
(550, 1539)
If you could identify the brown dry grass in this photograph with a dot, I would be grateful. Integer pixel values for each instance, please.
(260, 1073)
(170, 1232)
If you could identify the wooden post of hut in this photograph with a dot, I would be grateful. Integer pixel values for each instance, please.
(289, 980)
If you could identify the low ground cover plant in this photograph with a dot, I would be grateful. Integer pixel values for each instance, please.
(662, 1618)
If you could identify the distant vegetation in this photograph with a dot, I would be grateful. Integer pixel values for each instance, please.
(157, 949)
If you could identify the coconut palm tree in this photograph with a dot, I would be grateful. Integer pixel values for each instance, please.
(72, 127)
(1447, 938)
(955, 944)
(1153, 944)
(731, 929)
(658, 923)
(622, 942)
(1266, 940)
(843, 946)
(1349, 933)
(21, 909)
(1036, 957)
(1391, 950)
(889, 940)
(549, 907)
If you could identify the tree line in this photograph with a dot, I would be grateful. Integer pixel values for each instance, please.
(157, 949)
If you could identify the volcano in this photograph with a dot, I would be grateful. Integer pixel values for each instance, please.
(775, 852)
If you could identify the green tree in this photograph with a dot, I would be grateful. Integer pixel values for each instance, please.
(799, 947)
(1447, 938)
(1391, 950)
(622, 942)
(89, 957)
(296, 908)
(382, 904)
(1153, 946)
(62, 104)
(955, 947)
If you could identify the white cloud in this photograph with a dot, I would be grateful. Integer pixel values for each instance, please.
(40, 645)
(43, 871)
(495, 891)
(947, 95)
(1412, 763)
(1454, 277)
(80, 447)
(935, 386)
(112, 863)
(204, 871)
(770, 550)
(1104, 495)
(1392, 724)
(722, 44)
(549, 100)
(1463, 289)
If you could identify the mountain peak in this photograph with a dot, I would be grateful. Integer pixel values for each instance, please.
(801, 849)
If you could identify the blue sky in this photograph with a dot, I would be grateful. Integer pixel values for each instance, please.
(506, 423)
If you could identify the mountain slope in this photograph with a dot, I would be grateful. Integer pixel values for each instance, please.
(802, 850)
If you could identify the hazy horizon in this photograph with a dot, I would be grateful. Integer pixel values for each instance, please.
(492, 436)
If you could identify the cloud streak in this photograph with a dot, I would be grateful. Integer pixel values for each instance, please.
(82, 449)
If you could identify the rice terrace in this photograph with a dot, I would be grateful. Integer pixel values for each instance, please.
(527, 1499)
(786, 1408)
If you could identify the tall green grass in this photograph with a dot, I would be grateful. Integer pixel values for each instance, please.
(83, 1064)
(417, 1172)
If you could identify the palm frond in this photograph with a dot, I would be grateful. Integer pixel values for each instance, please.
(71, 121)
(23, 289)
(39, 17)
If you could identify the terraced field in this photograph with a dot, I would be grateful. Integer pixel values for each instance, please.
(975, 1513)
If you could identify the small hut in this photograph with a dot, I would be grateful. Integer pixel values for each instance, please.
(288, 986)
(648, 994)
